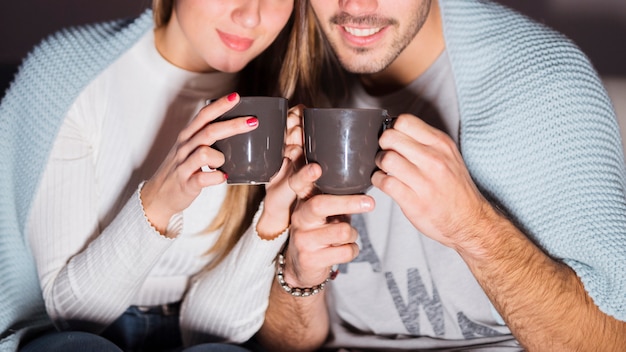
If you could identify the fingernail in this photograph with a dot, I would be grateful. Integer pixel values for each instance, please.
(366, 204)
(253, 121)
(225, 176)
(232, 96)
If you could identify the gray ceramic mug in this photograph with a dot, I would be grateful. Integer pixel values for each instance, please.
(344, 142)
(256, 156)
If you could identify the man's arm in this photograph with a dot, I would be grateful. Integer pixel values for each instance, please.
(542, 300)
(315, 244)
(294, 323)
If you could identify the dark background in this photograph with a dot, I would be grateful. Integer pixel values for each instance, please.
(597, 26)
(23, 23)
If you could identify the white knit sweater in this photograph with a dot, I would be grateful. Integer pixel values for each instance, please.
(91, 114)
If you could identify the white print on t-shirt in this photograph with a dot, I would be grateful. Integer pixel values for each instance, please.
(418, 296)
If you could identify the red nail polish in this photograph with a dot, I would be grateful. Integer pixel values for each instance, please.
(225, 176)
(232, 96)
(253, 121)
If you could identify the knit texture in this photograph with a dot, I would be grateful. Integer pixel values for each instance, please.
(47, 83)
(541, 140)
(538, 134)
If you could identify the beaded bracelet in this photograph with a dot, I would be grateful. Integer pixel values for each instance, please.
(299, 291)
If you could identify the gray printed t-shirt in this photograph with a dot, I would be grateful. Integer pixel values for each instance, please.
(405, 291)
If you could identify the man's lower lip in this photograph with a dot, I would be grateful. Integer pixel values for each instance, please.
(362, 41)
(234, 42)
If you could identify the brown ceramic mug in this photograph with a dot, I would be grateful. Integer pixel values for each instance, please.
(344, 142)
(254, 157)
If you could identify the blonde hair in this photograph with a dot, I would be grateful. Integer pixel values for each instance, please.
(242, 201)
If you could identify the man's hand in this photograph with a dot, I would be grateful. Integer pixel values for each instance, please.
(423, 171)
(319, 237)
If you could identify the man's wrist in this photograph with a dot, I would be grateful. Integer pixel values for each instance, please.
(299, 291)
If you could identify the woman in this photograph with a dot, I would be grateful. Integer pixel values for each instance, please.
(132, 241)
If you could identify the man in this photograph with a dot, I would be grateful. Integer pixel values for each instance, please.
(497, 220)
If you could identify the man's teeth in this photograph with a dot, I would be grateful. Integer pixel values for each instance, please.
(362, 32)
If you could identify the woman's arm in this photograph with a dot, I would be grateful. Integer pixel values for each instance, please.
(87, 273)
(228, 302)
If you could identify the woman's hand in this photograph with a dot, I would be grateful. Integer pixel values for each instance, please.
(179, 179)
(279, 197)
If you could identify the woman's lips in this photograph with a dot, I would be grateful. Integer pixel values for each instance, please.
(235, 42)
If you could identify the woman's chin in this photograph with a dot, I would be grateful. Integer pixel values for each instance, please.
(230, 67)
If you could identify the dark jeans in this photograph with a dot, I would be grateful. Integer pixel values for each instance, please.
(70, 341)
(146, 329)
(137, 330)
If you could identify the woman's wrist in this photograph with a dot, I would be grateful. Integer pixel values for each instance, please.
(268, 230)
(272, 223)
(160, 222)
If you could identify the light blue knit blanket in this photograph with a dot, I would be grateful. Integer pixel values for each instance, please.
(541, 140)
(47, 83)
(538, 134)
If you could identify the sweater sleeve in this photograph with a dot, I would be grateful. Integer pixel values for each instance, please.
(228, 303)
(88, 274)
(30, 112)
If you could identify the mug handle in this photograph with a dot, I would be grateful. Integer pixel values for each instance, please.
(389, 121)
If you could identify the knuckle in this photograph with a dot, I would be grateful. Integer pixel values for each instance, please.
(438, 166)
(345, 228)
(386, 138)
(348, 252)
(207, 135)
(316, 205)
(387, 160)
(402, 122)
(342, 231)
(181, 138)
(204, 155)
(182, 151)
(354, 250)
(444, 139)
(388, 184)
